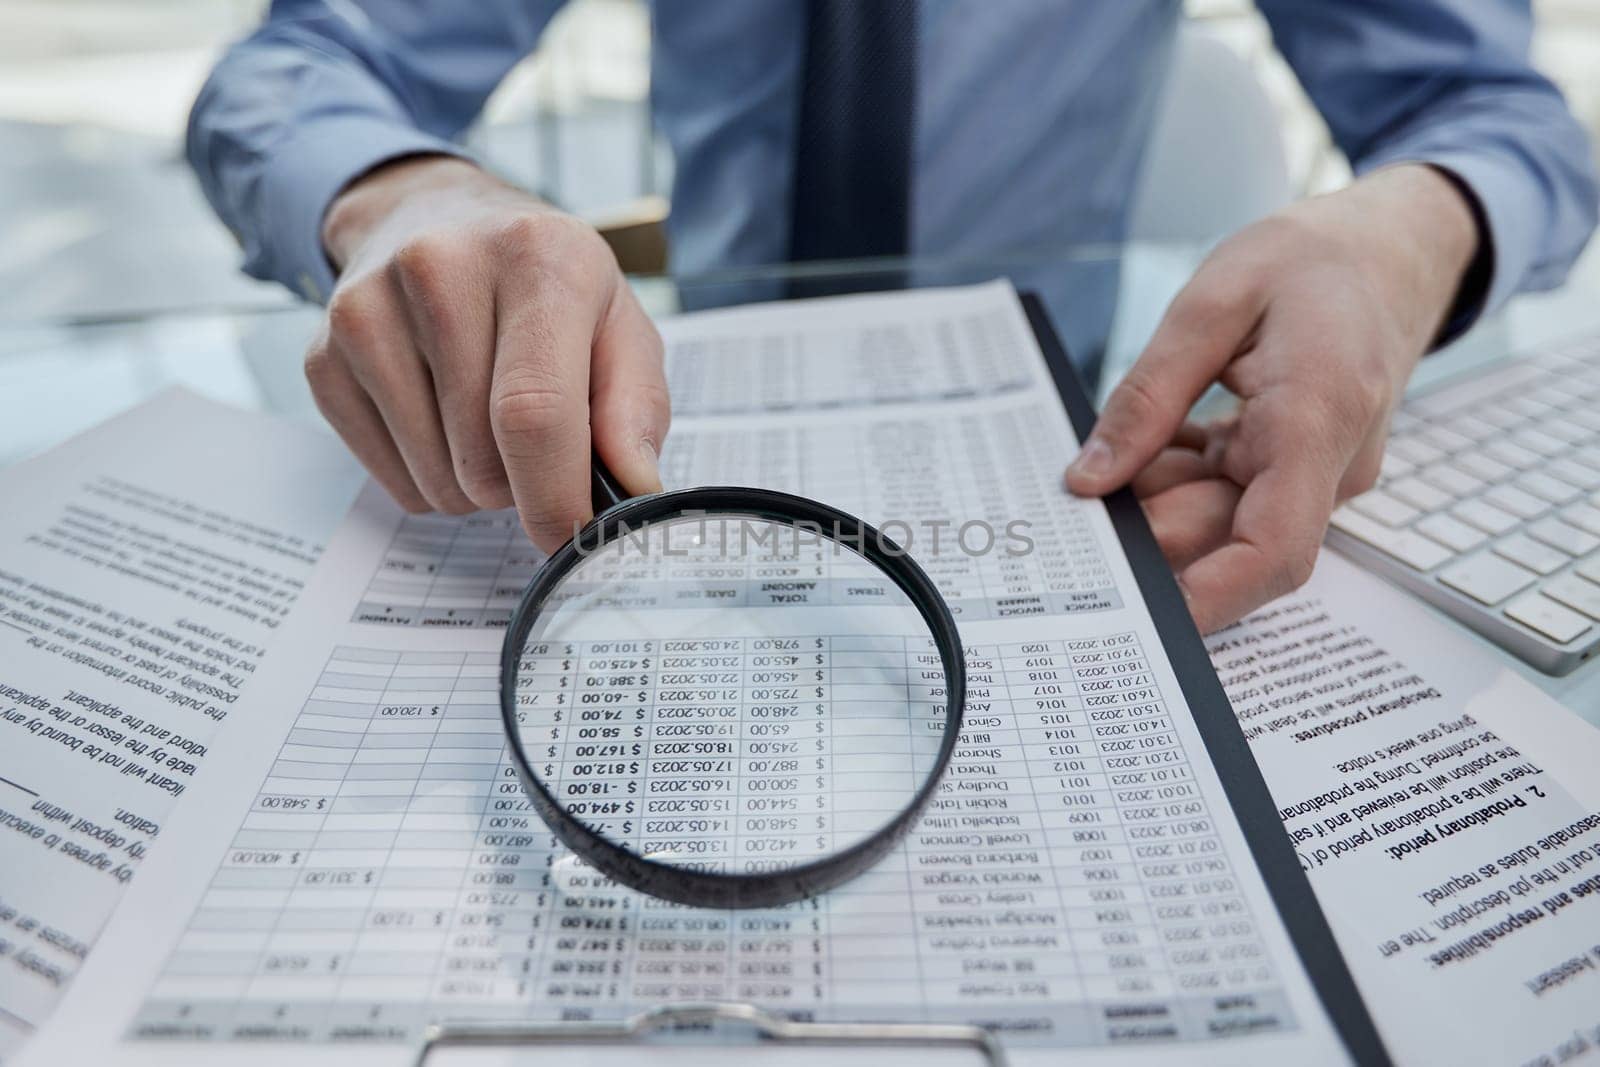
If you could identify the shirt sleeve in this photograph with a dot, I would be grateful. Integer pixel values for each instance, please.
(1450, 83)
(325, 90)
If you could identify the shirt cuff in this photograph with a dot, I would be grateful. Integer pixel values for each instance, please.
(1506, 217)
(309, 169)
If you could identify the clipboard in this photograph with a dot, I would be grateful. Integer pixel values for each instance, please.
(1230, 754)
(766, 1027)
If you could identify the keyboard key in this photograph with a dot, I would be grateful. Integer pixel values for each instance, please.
(1576, 593)
(1583, 516)
(1443, 438)
(1562, 430)
(1490, 384)
(1527, 406)
(1570, 470)
(1569, 539)
(1452, 532)
(1588, 418)
(1473, 428)
(1537, 557)
(1407, 546)
(1588, 455)
(1539, 612)
(1487, 578)
(1452, 479)
(1500, 418)
(1415, 450)
(1553, 395)
(1377, 504)
(1547, 488)
(1485, 516)
(1536, 440)
(1513, 454)
(1481, 466)
(1418, 493)
(1521, 504)
(1394, 467)
(1589, 568)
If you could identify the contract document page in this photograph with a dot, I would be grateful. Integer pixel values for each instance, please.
(144, 567)
(369, 863)
(1447, 811)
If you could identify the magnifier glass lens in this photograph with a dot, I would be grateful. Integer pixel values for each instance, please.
(731, 694)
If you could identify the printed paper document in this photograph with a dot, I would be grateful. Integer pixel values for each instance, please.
(1447, 811)
(1079, 882)
(144, 566)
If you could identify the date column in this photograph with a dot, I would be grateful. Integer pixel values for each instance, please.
(1123, 945)
(687, 807)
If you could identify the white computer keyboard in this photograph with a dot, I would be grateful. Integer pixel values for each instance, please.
(1489, 504)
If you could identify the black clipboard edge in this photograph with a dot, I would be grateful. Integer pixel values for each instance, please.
(1213, 716)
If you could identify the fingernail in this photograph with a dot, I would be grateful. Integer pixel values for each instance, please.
(652, 462)
(1093, 461)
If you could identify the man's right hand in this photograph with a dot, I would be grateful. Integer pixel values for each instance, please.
(477, 341)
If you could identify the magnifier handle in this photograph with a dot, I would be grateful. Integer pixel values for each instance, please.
(604, 489)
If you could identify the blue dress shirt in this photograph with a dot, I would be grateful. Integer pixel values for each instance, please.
(1032, 116)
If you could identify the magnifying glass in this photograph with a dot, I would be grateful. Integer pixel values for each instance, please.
(729, 697)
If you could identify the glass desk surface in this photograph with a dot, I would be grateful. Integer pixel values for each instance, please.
(59, 377)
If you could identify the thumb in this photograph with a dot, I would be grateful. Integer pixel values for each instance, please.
(1203, 329)
(628, 404)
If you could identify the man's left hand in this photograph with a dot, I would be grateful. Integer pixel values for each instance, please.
(1314, 318)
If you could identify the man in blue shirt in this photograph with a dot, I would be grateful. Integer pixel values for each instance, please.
(477, 338)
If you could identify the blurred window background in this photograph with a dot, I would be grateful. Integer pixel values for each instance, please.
(100, 217)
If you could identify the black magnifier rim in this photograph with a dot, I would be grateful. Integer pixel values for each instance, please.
(714, 889)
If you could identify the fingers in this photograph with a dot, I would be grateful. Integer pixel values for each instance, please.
(351, 413)
(1192, 519)
(449, 302)
(369, 334)
(1362, 474)
(539, 407)
(1272, 548)
(467, 314)
(629, 408)
(1192, 435)
(1173, 466)
(1209, 321)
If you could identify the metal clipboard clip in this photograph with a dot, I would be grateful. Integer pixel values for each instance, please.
(637, 1028)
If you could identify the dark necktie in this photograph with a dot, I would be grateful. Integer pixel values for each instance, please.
(852, 177)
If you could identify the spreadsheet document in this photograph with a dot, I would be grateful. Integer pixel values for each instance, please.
(369, 863)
